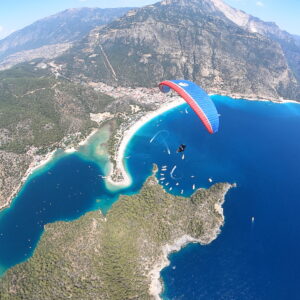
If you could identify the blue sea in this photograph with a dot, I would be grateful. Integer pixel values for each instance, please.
(256, 256)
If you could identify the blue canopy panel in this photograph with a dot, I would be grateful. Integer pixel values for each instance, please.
(197, 98)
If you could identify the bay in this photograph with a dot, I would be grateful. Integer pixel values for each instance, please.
(257, 147)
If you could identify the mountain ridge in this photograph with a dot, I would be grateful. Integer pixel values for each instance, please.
(183, 39)
(66, 26)
(289, 43)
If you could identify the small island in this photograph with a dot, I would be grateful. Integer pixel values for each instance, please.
(120, 255)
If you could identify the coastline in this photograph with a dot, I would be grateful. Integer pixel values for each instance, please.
(152, 96)
(134, 127)
(156, 287)
(38, 162)
(156, 284)
(117, 175)
(254, 98)
(81, 143)
(128, 134)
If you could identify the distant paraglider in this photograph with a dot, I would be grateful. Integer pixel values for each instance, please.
(198, 100)
(181, 148)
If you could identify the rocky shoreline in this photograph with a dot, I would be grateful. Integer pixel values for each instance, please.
(156, 285)
(38, 162)
(131, 243)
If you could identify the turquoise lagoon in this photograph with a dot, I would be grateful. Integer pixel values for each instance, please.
(256, 256)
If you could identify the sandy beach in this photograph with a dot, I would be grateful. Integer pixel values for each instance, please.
(146, 95)
(38, 162)
(82, 143)
(129, 133)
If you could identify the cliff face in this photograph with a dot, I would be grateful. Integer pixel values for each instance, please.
(190, 39)
(289, 43)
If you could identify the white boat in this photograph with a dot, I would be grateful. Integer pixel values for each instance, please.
(172, 171)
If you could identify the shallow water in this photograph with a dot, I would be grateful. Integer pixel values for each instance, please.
(64, 189)
(257, 147)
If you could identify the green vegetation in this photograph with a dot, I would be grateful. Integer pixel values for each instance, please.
(110, 257)
(38, 114)
(36, 109)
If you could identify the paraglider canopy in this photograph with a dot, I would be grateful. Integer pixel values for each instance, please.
(197, 98)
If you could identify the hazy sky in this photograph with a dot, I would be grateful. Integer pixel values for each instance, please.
(16, 14)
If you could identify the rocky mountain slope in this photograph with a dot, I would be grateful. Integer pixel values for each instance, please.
(119, 256)
(65, 27)
(290, 43)
(191, 39)
(297, 39)
(45, 52)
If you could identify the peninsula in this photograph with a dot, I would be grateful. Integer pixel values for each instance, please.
(120, 255)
